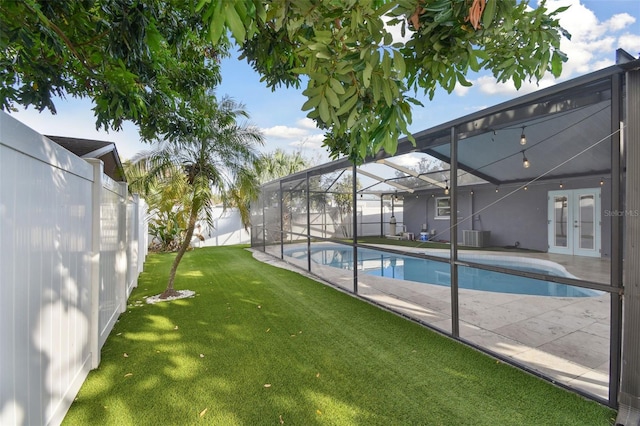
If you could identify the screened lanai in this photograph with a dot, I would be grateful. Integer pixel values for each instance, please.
(502, 229)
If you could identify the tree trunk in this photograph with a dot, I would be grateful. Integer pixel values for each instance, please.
(170, 291)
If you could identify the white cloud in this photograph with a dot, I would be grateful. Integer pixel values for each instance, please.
(409, 160)
(619, 21)
(285, 132)
(303, 136)
(307, 123)
(461, 90)
(489, 86)
(593, 42)
(591, 47)
(311, 142)
(630, 43)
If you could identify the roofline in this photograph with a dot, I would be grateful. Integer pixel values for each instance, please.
(558, 88)
(96, 153)
(444, 130)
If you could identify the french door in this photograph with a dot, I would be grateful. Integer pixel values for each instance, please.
(574, 222)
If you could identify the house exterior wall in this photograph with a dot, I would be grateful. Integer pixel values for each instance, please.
(64, 264)
(510, 215)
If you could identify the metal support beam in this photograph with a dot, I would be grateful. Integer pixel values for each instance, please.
(411, 173)
(453, 237)
(382, 216)
(281, 222)
(354, 195)
(264, 224)
(617, 167)
(308, 222)
(387, 181)
(629, 397)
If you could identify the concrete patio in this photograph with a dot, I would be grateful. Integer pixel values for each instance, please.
(563, 338)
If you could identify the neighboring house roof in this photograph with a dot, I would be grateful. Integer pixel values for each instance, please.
(89, 148)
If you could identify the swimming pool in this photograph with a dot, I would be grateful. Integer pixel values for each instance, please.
(389, 265)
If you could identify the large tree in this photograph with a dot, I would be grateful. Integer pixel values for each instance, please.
(219, 163)
(359, 79)
(143, 60)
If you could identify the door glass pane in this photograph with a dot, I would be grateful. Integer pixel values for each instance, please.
(560, 220)
(587, 223)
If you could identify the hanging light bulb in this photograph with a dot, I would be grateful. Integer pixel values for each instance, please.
(497, 189)
(446, 187)
(561, 185)
(601, 181)
(523, 137)
(525, 162)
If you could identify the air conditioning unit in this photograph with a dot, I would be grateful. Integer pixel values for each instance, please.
(475, 238)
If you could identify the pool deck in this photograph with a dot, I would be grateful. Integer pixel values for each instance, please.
(565, 338)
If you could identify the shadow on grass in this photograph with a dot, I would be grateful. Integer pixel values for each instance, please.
(262, 345)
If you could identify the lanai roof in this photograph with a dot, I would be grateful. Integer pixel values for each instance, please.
(568, 128)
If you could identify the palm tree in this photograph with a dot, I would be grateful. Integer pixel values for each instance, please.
(167, 198)
(218, 161)
(279, 164)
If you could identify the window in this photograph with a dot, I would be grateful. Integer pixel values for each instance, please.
(443, 208)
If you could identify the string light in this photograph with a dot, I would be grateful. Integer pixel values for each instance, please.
(523, 137)
(526, 187)
(446, 187)
(601, 181)
(497, 189)
(525, 162)
(561, 185)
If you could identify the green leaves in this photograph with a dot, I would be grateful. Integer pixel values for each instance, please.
(489, 14)
(138, 63)
(358, 77)
(144, 63)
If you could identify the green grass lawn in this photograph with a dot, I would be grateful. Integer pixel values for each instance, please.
(259, 345)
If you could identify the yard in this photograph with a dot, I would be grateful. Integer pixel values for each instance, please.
(263, 345)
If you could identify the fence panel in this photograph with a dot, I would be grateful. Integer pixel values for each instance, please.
(113, 261)
(45, 239)
(63, 239)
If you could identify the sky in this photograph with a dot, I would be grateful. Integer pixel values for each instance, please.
(598, 28)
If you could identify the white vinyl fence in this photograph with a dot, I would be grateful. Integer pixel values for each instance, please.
(70, 256)
(227, 229)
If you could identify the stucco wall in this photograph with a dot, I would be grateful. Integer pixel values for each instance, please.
(511, 216)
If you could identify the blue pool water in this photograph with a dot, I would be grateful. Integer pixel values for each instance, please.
(399, 267)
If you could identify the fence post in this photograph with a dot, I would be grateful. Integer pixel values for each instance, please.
(122, 261)
(142, 234)
(134, 268)
(96, 201)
